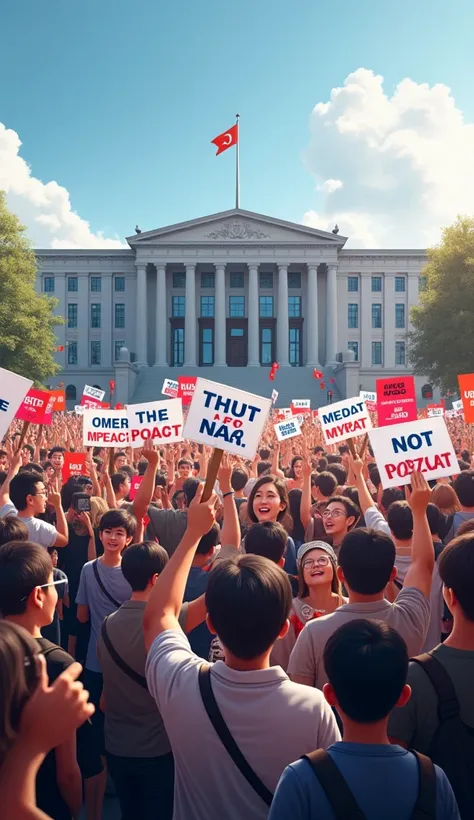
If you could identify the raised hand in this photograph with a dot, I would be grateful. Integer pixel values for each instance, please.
(201, 516)
(420, 494)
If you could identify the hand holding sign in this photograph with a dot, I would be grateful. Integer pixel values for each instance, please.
(201, 513)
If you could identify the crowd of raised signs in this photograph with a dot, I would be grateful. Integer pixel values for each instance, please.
(215, 607)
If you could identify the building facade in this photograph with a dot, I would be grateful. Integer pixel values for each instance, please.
(226, 295)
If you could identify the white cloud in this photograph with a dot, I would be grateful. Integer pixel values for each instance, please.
(405, 162)
(44, 208)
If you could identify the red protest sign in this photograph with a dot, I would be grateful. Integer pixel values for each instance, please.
(36, 407)
(59, 397)
(74, 464)
(87, 401)
(134, 485)
(396, 402)
(466, 388)
(119, 406)
(186, 388)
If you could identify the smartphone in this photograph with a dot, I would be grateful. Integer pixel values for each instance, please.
(81, 502)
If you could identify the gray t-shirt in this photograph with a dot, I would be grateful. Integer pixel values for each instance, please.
(91, 595)
(168, 526)
(40, 532)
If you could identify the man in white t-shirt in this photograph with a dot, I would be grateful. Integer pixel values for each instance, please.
(28, 496)
(272, 720)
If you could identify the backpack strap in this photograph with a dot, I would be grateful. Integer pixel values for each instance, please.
(223, 732)
(341, 799)
(101, 584)
(425, 806)
(123, 665)
(448, 703)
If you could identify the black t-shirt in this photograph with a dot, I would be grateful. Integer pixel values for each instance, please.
(72, 558)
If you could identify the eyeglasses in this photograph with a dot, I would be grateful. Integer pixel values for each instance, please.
(41, 492)
(333, 514)
(323, 561)
(42, 586)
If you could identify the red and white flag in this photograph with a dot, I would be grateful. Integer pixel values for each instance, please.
(227, 139)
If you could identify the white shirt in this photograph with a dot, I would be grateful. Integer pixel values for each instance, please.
(40, 532)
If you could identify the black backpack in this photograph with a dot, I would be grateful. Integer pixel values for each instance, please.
(452, 747)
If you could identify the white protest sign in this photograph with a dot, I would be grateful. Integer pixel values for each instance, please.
(160, 421)
(274, 396)
(435, 411)
(457, 405)
(301, 404)
(104, 428)
(344, 419)
(93, 392)
(223, 417)
(424, 446)
(450, 414)
(13, 389)
(170, 388)
(79, 409)
(367, 395)
(287, 429)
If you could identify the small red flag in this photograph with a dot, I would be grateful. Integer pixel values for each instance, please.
(111, 385)
(60, 348)
(227, 139)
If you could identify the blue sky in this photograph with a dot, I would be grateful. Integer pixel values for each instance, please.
(118, 101)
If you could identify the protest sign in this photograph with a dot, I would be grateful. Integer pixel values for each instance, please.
(134, 485)
(186, 388)
(370, 399)
(274, 396)
(457, 405)
(13, 389)
(287, 429)
(160, 421)
(104, 428)
(79, 409)
(435, 410)
(226, 418)
(74, 464)
(92, 396)
(300, 406)
(59, 403)
(466, 389)
(396, 400)
(424, 446)
(36, 407)
(170, 388)
(344, 419)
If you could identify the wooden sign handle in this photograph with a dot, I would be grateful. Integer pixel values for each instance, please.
(363, 447)
(23, 433)
(212, 470)
(111, 461)
(351, 445)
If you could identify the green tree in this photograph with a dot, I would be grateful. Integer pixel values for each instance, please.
(441, 344)
(27, 323)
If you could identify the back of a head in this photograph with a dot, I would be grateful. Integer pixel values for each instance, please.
(445, 498)
(13, 528)
(367, 664)
(209, 540)
(390, 495)
(23, 566)
(248, 600)
(456, 570)
(333, 458)
(263, 468)
(190, 486)
(400, 520)
(141, 467)
(67, 491)
(326, 483)
(374, 475)
(238, 479)
(141, 562)
(98, 509)
(118, 479)
(339, 472)
(264, 453)
(434, 517)
(366, 558)
(464, 488)
(267, 539)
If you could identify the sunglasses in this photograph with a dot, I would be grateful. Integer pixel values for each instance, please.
(42, 586)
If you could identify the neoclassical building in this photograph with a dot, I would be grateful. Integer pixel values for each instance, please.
(226, 295)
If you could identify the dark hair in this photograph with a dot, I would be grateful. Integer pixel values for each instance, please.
(23, 566)
(47, 465)
(366, 558)
(435, 518)
(318, 449)
(34, 467)
(190, 486)
(238, 479)
(333, 458)
(209, 540)
(294, 500)
(366, 663)
(142, 465)
(21, 486)
(160, 480)
(464, 487)
(343, 449)
(3, 477)
(118, 518)
(264, 453)
(268, 539)
(463, 465)
(84, 481)
(125, 468)
(13, 528)
(67, 491)
(248, 599)
(326, 483)
(280, 486)
(117, 479)
(353, 494)
(19, 677)
(174, 500)
(28, 447)
(56, 450)
(96, 451)
(456, 569)
(390, 495)
(400, 520)
(3, 453)
(352, 510)
(294, 460)
(323, 466)
(465, 455)
(141, 561)
(120, 454)
(263, 468)
(185, 461)
(340, 472)
(374, 475)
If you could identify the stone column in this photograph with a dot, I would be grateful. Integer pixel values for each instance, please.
(311, 318)
(365, 320)
(331, 314)
(141, 316)
(190, 318)
(107, 321)
(388, 320)
(161, 317)
(60, 293)
(283, 341)
(253, 316)
(220, 319)
(83, 321)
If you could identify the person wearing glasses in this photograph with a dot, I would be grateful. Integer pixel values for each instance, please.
(339, 517)
(28, 498)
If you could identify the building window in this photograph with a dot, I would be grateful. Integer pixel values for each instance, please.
(72, 354)
(207, 280)
(294, 306)
(427, 391)
(295, 346)
(376, 353)
(71, 393)
(376, 315)
(207, 306)
(399, 316)
(95, 316)
(95, 352)
(354, 346)
(266, 345)
(96, 284)
(179, 280)
(422, 283)
(353, 284)
(48, 284)
(294, 279)
(72, 314)
(178, 305)
(399, 284)
(207, 345)
(236, 280)
(353, 316)
(72, 284)
(119, 315)
(266, 281)
(236, 305)
(400, 356)
(119, 284)
(118, 348)
(376, 284)
(178, 346)
(266, 306)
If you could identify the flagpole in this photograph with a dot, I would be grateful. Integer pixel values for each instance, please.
(237, 166)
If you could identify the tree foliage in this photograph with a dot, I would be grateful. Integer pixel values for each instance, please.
(442, 341)
(27, 337)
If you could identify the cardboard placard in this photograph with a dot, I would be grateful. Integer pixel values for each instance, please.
(170, 388)
(226, 418)
(36, 407)
(396, 400)
(435, 410)
(134, 485)
(466, 389)
(79, 409)
(13, 389)
(344, 419)
(160, 421)
(186, 388)
(104, 428)
(299, 406)
(59, 403)
(424, 446)
(74, 464)
(457, 405)
(287, 429)
(92, 396)
(370, 399)
(274, 396)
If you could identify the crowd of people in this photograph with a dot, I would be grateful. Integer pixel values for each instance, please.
(299, 645)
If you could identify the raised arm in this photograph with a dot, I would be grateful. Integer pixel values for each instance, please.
(230, 536)
(275, 461)
(306, 500)
(15, 464)
(146, 489)
(365, 499)
(420, 571)
(62, 537)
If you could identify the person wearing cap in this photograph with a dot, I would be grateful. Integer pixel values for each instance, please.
(319, 593)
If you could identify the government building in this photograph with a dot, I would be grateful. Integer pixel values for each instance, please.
(224, 296)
